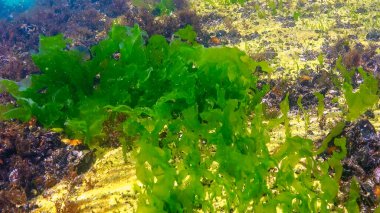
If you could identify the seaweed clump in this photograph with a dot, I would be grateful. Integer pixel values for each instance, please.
(192, 117)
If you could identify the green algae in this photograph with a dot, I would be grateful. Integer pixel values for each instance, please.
(146, 124)
(178, 138)
(187, 108)
(364, 98)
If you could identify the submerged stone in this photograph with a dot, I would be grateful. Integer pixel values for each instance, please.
(373, 35)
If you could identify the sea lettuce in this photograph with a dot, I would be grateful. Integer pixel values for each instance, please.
(360, 99)
(364, 98)
(192, 116)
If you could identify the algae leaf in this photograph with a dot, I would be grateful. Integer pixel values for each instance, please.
(352, 204)
(187, 34)
(321, 104)
(364, 98)
(336, 131)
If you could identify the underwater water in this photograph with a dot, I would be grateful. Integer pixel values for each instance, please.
(8, 7)
(23, 3)
(189, 106)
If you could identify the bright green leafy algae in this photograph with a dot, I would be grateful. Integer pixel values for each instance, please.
(336, 131)
(360, 99)
(157, 7)
(364, 98)
(193, 116)
(321, 104)
(304, 112)
(352, 205)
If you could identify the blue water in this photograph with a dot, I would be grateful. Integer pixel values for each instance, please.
(9, 7)
(19, 3)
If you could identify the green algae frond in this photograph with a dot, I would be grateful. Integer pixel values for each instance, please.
(187, 110)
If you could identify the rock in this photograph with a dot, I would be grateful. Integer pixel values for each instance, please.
(373, 35)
